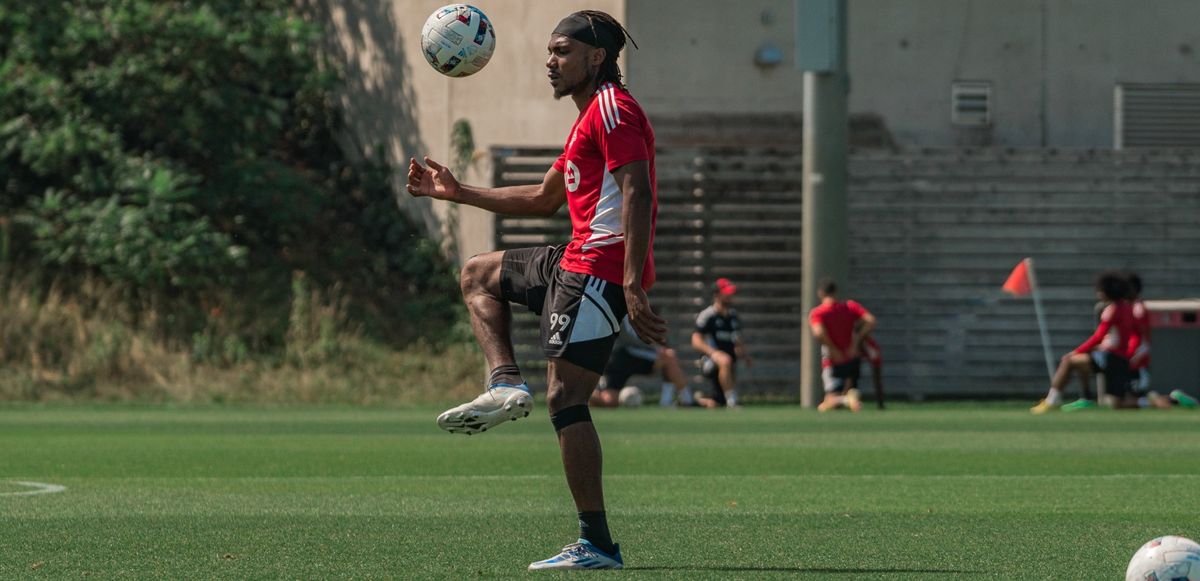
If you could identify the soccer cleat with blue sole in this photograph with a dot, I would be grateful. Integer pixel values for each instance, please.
(499, 404)
(581, 555)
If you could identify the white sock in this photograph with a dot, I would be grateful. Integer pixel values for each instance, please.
(731, 397)
(1055, 396)
(668, 394)
(685, 396)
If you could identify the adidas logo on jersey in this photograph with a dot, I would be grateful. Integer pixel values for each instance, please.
(555, 340)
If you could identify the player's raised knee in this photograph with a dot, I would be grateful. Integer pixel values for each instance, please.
(476, 272)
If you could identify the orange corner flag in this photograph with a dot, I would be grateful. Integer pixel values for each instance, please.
(1018, 282)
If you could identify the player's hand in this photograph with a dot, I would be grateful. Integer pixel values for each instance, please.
(852, 351)
(434, 181)
(836, 355)
(650, 327)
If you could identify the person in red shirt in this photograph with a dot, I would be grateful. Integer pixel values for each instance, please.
(1107, 351)
(1139, 359)
(1139, 362)
(581, 289)
(840, 327)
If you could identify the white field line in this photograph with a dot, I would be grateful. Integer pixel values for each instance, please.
(38, 488)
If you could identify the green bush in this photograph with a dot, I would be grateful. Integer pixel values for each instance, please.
(185, 151)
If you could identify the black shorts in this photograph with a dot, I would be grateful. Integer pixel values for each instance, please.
(835, 376)
(710, 369)
(581, 314)
(1117, 376)
(624, 365)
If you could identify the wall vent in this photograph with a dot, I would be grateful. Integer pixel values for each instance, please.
(971, 103)
(1156, 115)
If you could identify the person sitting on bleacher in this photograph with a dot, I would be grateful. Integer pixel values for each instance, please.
(1107, 351)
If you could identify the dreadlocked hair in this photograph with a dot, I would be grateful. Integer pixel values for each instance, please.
(609, 70)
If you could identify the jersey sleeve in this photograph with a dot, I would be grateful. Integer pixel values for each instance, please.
(815, 316)
(856, 309)
(622, 132)
(560, 164)
(1106, 322)
(704, 323)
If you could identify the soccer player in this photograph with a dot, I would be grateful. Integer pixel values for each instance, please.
(840, 326)
(718, 338)
(581, 289)
(632, 356)
(1139, 362)
(1107, 351)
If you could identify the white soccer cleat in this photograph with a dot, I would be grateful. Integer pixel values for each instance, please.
(499, 404)
(581, 555)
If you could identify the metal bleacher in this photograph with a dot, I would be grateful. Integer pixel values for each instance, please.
(934, 233)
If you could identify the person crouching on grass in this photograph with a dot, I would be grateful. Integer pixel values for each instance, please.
(840, 327)
(1107, 351)
(718, 338)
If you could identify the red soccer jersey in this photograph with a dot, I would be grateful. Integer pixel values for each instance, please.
(1117, 332)
(839, 319)
(611, 132)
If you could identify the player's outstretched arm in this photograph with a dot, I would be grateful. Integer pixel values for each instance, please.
(438, 182)
(637, 207)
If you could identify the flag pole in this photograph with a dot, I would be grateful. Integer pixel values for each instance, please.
(1041, 317)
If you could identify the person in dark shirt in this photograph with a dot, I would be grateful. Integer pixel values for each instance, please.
(718, 338)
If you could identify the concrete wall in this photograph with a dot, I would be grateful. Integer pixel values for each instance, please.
(904, 56)
(1053, 63)
(1095, 44)
(397, 105)
(698, 56)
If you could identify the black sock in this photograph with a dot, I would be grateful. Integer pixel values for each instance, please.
(593, 528)
(509, 374)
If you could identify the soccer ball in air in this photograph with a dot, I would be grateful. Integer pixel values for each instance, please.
(1165, 559)
(630, 396)
(458, 40)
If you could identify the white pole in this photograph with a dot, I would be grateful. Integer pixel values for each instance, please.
(1041, 317)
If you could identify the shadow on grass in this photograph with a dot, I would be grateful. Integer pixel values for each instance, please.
(830, 570)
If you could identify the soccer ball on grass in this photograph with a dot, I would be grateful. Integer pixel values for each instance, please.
(1165, 559)
(458, 40)
(630, 396)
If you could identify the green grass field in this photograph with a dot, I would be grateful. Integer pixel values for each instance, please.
(932, 492)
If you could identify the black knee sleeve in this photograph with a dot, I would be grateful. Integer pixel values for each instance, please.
(571, 415)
